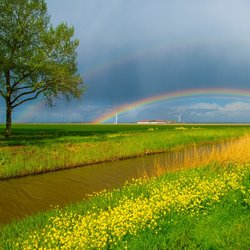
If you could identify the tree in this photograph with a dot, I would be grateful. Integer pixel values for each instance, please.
(36, 59)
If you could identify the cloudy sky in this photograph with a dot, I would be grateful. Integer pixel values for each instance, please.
(135, 49)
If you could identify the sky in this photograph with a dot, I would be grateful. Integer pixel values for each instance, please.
(135, 49)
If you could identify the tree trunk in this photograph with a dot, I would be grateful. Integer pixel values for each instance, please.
(8, 105)
(8, 120)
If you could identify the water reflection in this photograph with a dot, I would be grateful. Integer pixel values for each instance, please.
(24, 196)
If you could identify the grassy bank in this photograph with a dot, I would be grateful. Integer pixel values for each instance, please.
(41, 148)
(201, 208)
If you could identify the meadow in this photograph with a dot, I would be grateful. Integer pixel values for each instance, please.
(39, 148)
(206, 207)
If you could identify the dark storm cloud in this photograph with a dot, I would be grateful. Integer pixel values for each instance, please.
(151, 76)
(116, 85)
(205, 44)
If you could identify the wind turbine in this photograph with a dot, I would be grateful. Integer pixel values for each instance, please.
(116, 118)
(179, 118)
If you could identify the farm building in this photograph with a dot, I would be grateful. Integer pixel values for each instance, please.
(155, 122)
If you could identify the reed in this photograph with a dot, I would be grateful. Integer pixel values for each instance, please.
(234, 151)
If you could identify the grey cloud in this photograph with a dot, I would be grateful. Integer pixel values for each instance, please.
(234, 112)
(179, 44)
(236, 106)
(110, 26)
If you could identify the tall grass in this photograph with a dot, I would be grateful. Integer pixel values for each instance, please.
(173, 211)
(233, 151)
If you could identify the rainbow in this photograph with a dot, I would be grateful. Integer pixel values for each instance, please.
(30, 110)
(169, 96)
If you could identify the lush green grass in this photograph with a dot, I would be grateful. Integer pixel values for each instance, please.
(41, 148)
(40, 134)
(205, 208)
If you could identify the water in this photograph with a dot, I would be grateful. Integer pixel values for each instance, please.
(21, 197)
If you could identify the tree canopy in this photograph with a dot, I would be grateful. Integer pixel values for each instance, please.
(36, 59)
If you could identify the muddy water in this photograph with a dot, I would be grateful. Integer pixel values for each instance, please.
(25, 196)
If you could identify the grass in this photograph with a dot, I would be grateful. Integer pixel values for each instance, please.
(201, 208)
(45, 134)
(225, 227)
(41, 148)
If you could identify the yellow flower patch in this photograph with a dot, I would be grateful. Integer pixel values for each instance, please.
(98, 228)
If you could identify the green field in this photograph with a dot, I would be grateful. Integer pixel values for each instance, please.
(41, 134)
(201, 208)
(47, 147)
